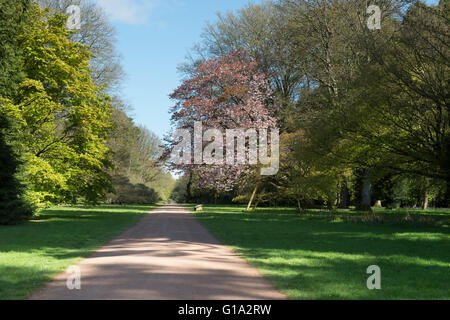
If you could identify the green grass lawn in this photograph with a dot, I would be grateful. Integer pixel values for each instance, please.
(30, 254)
(310, 257)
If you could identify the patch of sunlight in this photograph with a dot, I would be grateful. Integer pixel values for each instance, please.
(312, 259)
(332, 255)
(385, 236)
(306, 262)
(421, 236)
(352, 234)
(400, 259)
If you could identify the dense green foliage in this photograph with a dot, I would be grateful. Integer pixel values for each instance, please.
(364, 120)
(315, 257)
(63, 138)
(13, 15)
(62, 114)
(364, 114)
(134, 148)
(14, 206)
(32, 253)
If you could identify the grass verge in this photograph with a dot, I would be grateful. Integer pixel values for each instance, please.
(309, 258)
(32, 253)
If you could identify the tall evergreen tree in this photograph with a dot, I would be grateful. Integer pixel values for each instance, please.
(12, 16)
(13, 207)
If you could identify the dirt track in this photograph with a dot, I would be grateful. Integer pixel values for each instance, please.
(168, 255)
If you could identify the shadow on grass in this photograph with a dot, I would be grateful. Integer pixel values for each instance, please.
(320, 259)
(112, 207)
(18, 282)
(69, 228)
(31, 252)
(336, 278)
(278, 232)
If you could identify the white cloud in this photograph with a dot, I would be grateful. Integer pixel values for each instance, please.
(128, 11)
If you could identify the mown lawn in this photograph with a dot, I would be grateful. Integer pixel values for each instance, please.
(310, 257)
(32, 253)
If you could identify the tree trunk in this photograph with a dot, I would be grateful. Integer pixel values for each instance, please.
(426, 197)
(252, 197)
(329, 205)
(188, 189)
(425, 201)
(258, 199)
(299, 205)
(366, 199)
(447, 195)
(344, 195)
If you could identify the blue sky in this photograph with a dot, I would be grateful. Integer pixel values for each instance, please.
(154, 37)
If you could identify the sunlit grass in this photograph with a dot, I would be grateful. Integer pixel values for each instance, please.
(30, 254)
(309, 258)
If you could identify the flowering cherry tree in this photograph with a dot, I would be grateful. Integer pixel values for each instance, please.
(229, 92)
